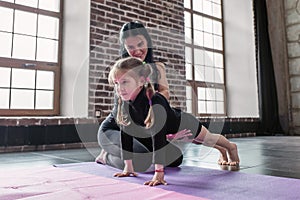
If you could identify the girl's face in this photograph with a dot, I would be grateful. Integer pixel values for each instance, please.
(137, 46)
(127, 86)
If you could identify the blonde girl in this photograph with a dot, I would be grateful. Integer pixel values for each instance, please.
(146, 116)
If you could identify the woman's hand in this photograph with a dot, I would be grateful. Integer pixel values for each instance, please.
(182, 135)
(158, 179)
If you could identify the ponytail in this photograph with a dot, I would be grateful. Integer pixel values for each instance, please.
(149, 121)
(121, 118)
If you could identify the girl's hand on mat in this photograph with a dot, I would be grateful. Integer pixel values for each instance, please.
(127, 171)
(182, 135)
(125, 174)
(158, 179)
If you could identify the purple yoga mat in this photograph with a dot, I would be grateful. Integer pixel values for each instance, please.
(207, 183)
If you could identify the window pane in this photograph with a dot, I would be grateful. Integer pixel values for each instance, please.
(4, 77)
(219, 75)
(207, 25)
(189, 99)
(188, 55)
(207, 7)
(4, 100)
(210, 94)
(188, 71)
(198, 22)
(52, 5)
(198, 57)
(188, 61)
(23, 78)
(45, 80)
(199, 73)
(218, 42)
(188, 92)
(216, 10)
(22, 99)
(44, 99)
(187, 3)
(208, 40)
(220, 108)
(6, 19)
(208, 58)
(209, 74)
(5, 47)
(188, 35)
(197, 5)
(187, 19)
(211, 107)
(218, 60)
(25, 23)
(219, 95)
(24, 47)
(201, 93)
(31, 3)
(47, 50)
(48, 27)
(198, 38)
(201, 107)
(217, 28)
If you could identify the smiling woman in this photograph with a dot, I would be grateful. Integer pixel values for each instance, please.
(137, 46)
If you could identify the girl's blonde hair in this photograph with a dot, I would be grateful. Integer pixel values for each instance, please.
(135, 68)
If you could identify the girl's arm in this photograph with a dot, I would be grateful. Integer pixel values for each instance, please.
(128, 170)
(163, 87)
(126, 154)
(158, 131)
(159, 176)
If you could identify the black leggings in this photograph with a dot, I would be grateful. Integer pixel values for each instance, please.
(109, 141)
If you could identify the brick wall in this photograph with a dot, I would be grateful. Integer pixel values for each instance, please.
(164, 20)
(292, 16)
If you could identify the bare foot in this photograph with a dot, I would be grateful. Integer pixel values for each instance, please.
(233, 155)
(101, 159)
(223, 160)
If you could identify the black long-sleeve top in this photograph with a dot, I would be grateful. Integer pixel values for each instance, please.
(166, 121)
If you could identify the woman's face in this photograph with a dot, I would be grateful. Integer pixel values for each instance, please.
(137, 46)
(127, 87)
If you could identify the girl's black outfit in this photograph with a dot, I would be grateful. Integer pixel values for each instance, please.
(145, 146)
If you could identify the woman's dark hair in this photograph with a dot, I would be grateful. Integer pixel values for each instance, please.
(132, 29)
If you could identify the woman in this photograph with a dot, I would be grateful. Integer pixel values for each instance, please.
(135, 41)
(146, 116)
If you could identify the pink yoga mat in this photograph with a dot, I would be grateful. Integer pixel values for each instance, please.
(51, 183)
(208, 183)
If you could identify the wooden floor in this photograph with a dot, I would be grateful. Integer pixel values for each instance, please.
(273, 155)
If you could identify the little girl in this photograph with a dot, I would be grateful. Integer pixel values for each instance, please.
(145, 115)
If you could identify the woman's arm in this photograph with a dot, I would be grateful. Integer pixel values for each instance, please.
(163, 87)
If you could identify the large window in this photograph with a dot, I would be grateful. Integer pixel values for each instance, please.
(204, 56)
(30, 56)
